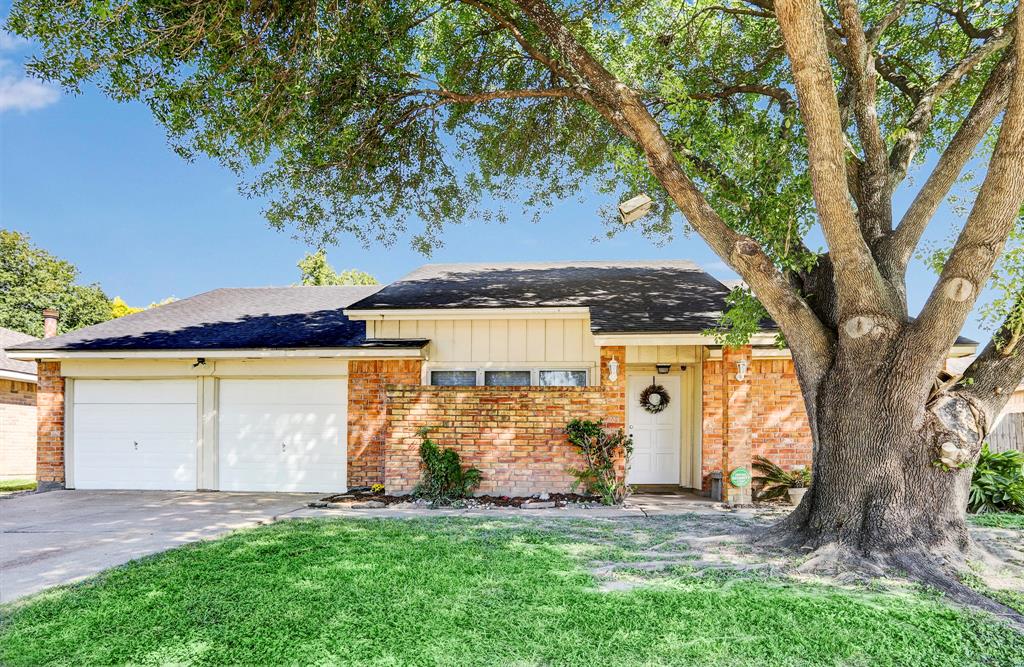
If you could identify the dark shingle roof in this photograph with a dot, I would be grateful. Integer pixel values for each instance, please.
(244, 318)
(9, 338)
(623, 297)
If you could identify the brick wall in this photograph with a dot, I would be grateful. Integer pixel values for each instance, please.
(367, 419)
(513, 435)
(780, 431)
(763, 415)
(17, 429)
(50, 430)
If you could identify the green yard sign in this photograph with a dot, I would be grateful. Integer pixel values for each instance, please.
(740, 477)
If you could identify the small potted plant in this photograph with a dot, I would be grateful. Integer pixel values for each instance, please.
(778, 483)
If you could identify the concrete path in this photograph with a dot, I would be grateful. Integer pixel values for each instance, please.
(63, 536)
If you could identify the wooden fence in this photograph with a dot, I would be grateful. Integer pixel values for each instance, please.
(1009, 434)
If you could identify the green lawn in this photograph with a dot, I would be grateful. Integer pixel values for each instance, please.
(11, 485)
(998, 520)
(467, 592)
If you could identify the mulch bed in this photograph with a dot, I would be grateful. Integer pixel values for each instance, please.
(364, 495)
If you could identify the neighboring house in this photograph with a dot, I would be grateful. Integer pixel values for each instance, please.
(17, 411)
(1008, 431)
(324, 388)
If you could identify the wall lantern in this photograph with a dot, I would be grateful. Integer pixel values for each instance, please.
(663, 369)
(742, 364)
(682, 367)
(613, 370)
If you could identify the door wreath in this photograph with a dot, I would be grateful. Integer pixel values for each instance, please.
(654, 398)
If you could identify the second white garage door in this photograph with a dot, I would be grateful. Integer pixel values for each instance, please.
(283, 435)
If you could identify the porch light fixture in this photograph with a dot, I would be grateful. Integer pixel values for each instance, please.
(663, 369)
(682, 367)
(613, 370)
(742, 364)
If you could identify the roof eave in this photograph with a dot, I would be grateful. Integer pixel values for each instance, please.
(415, 351)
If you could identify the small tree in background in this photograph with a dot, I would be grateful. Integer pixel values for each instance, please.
(316, 270)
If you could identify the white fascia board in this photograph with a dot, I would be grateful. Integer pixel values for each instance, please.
(379, 353)
(554, 313)
(19, 376)
(671, 339)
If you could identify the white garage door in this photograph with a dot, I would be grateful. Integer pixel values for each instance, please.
(283, 435)
(135, 434)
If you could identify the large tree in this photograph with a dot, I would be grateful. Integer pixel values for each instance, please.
(761, 122)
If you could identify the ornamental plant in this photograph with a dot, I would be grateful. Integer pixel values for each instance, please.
(600, 448)
(997, 484)
(444, 479)
(776, 482)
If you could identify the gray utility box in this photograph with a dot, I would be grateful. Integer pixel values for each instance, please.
(716, 485)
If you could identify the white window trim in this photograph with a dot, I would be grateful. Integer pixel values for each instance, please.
(533, 367)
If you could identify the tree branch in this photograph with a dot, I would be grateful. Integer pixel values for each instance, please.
(811, 343)
(903, 151)
(898, 248)
(997, 372)
(488, 96)
(781, 95)
(859, 287)
(984, 236)
(874, 200)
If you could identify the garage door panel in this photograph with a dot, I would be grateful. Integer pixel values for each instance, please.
(135, 434)
(131, 392)
(283, 435)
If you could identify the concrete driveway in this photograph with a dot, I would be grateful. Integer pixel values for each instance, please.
(63, 536)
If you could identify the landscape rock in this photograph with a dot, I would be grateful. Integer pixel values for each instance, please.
(369, 505)
(544, 496)
(537, 505)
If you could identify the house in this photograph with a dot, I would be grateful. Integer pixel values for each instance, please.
(17, 411)
(324, 388)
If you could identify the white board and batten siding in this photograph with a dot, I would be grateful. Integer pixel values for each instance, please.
(283, 435)
(504, 343)
(135, 434)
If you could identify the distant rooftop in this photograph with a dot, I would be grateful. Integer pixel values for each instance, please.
(8, 338)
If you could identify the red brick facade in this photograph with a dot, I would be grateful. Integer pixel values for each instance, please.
(50, 429)
(367, 419)
(781, 431)
(762, 415)
(515, 436)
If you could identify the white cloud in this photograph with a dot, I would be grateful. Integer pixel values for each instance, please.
(25, 94)
(17, 91)
(11, 42)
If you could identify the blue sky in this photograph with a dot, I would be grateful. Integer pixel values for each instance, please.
(94, 182)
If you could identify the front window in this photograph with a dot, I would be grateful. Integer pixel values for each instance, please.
(563, 378)
(453, 378)
(509, 377)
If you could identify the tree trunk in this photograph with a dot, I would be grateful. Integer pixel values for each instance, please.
(880, 492)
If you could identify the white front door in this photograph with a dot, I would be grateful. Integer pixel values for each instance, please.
(283, 435)
(135, 434)
(656, 441)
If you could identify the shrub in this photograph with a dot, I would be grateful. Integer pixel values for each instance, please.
(600, 447)
(776, 482)
(377, 489)
(444, 479)
(997, 484)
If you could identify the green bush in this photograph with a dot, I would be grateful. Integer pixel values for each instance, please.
(776, 482)
(444, 479)
(997, 484)
(600, 447)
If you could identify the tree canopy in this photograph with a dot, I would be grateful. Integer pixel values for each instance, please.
(316, 270)
(32, 279)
